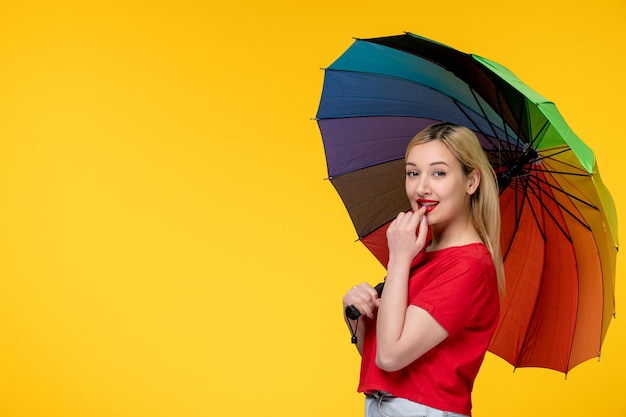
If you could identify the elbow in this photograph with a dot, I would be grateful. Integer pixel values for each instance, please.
(387, 363)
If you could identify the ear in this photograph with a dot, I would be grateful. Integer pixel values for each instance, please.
(473, 181)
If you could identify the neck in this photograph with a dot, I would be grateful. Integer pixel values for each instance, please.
(448, 236)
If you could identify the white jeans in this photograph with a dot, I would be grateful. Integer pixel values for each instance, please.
(382, 404)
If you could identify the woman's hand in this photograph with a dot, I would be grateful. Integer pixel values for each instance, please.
(406, 235)
(364, 297)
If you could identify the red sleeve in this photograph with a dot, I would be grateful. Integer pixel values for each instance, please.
(454, 294)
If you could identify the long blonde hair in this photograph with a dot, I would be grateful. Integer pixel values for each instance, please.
(485, 202)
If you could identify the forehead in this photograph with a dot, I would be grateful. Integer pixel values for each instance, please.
(431, 152)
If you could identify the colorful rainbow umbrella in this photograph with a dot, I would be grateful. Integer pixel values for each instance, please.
(559, 225)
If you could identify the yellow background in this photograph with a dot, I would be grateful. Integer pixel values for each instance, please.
(168, 246)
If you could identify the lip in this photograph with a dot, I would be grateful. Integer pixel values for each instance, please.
(430, 204)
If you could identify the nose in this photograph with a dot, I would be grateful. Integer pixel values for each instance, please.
(422, 186)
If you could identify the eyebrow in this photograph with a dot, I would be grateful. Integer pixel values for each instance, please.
(431, 164)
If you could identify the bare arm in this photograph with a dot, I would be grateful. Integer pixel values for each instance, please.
(404, 333)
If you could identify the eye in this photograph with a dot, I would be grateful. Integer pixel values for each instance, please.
(412, 173)
(439, 173)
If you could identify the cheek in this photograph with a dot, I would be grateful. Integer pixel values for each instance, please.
(408, 187)
(410, 193)
(455, 195)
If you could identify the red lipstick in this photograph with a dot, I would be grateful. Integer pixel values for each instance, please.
(429, 204)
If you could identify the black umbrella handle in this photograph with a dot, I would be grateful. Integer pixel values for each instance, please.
(353, 313)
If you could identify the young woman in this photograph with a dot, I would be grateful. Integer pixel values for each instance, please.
(423, 341)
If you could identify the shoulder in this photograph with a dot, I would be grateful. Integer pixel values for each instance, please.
(472, 257)
(460, 287)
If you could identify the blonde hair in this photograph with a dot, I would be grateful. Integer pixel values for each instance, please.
(485, 202)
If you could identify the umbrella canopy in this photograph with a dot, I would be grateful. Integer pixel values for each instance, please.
(559, 225)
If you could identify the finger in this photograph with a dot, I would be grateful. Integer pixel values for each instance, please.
(422, 232)
(361, 293)
(402, 221)
(371, 292)
(367, 310)
(421, 211)
(414, 220)
(367, 302)
(365, 307)
(395, 223)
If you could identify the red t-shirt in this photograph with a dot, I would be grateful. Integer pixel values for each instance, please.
(458, 287)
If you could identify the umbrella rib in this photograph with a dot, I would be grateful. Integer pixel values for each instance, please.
(566, 210)
(510, 148)
(568, 194)
(536, 141)
(456, 102)
(566, 149)
(489, 138)
(520, 133)
(501, 114)
(495, 134)
(550, 171)
(539, 197)
(497, 144)
(505, 124)
(527, 186)
(518, 215)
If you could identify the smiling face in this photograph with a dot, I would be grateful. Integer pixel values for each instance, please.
(435, 179)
